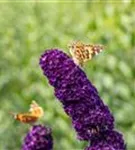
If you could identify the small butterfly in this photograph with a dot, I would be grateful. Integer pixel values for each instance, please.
(83, 52)
(35, 112)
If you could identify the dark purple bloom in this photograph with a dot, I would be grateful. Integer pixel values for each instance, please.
(108, 140)
(92, 122)
(80, 99)
(38, 138)
(100, 147)
(87, 117)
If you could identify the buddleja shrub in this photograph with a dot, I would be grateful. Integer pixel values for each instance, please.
(91, 118)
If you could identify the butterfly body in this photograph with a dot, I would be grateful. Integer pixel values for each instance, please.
(83, 52)
(32, 116)
(25, 118)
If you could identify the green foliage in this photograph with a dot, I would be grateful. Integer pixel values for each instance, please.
(28, 28)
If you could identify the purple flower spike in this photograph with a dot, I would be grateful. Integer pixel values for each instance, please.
(39, 138)
(79, 97)
(100, 147)
(111, 137)
(91, 118)
(92, 122)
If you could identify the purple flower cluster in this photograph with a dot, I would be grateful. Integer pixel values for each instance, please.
(107, 140)
(100, 147)
(91, 118)
(39, 138)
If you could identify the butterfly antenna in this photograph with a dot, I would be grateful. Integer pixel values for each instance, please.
(13, 114)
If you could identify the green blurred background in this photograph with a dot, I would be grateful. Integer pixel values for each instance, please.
(28, 28)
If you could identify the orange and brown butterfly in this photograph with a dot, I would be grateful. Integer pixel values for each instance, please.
(83, 52)
(35, 112)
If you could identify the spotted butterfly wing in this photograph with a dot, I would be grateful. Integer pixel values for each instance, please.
(83, 52)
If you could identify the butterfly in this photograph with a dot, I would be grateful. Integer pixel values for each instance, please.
(35, 112)
(83, 52)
